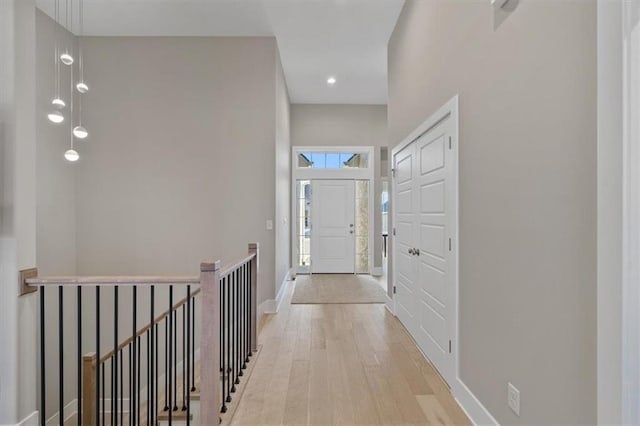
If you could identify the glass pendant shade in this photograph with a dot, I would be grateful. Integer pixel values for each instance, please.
(82, 87)
(55, 117)
(66, 58)
(58, 103)
(80, 132)
(71, 155)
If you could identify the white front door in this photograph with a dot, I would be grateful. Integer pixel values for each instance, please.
(425, 219)
(332, 226)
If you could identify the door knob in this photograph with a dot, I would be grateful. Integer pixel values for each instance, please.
(351, 225)
(351, 232)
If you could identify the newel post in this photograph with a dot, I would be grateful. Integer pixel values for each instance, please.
(210, 344)
(89, 417)
(253, 248)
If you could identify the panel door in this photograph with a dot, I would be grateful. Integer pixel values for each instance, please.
(332, 233)
(435, 217)
(405, 241)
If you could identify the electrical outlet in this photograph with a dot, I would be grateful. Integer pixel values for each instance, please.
(513, 398)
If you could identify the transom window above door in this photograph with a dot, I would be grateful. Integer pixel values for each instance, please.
(332, 160)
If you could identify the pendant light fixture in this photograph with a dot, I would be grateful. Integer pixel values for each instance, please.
(71, 155)
(81, 87)
(79, 131)
(56, 115)
(66, 56)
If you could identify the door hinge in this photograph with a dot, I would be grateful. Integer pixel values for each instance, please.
(394, 289)
(393, 172)
(449, 346)
(449, 142)
(394, 231)
(449, 244)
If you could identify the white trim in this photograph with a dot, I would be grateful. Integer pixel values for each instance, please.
(269, 306)
(283, 289)
(32, 419)
(472, 407)
(388, 303)
(376, 271)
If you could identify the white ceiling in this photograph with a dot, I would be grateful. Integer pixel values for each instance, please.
(317, 38)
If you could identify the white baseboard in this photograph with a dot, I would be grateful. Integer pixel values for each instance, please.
(388, 303)
(471, 405)
(376, 271)
(283, 289)
(32, 419)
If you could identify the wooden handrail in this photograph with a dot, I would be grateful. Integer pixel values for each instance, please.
(235, 265)
(111, 281)
(144, 329)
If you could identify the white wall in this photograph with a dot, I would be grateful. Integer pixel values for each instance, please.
(345, 125)
(528, 183)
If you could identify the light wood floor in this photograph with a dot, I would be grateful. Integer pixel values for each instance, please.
(342, 364)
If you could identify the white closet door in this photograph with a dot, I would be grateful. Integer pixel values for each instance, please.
(437, 289)
(425, 188)
(333, 226)
(405, 241)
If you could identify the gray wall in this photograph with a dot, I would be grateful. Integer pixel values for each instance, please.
(527, 190)
(179, 165)
(345, 125)
(283, 178)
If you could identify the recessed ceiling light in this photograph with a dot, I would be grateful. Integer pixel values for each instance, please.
(331, 80)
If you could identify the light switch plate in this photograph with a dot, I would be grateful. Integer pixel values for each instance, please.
(269, 225)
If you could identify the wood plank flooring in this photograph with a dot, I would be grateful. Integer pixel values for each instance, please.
(341, 364)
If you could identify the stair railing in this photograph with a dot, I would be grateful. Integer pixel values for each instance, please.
(148, 374)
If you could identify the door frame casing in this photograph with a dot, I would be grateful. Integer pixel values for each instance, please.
(331, 174)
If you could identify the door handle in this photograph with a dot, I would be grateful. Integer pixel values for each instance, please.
(411, 252)
(351, 232)
(416, 251)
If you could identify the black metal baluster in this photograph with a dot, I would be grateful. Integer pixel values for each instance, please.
(148, 375)
(237, 329)
(42, 360)
(184, 360)
(79, 347)
(232, 340)
(243, 322)
(247, 286)
(153, 402)
(103, 394)
(137, 396)
(166, 363)
(134, 344)
(121, 358)
(193, 345)
(170, 351)
(60, 357)
(175, 360)
(240, 323)
(222, 348)
(187, 356)
(114, 359)
(130, 351)
(150, 366)
(155, 377)
(98, 363)
(250, 270)
(227, 367)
